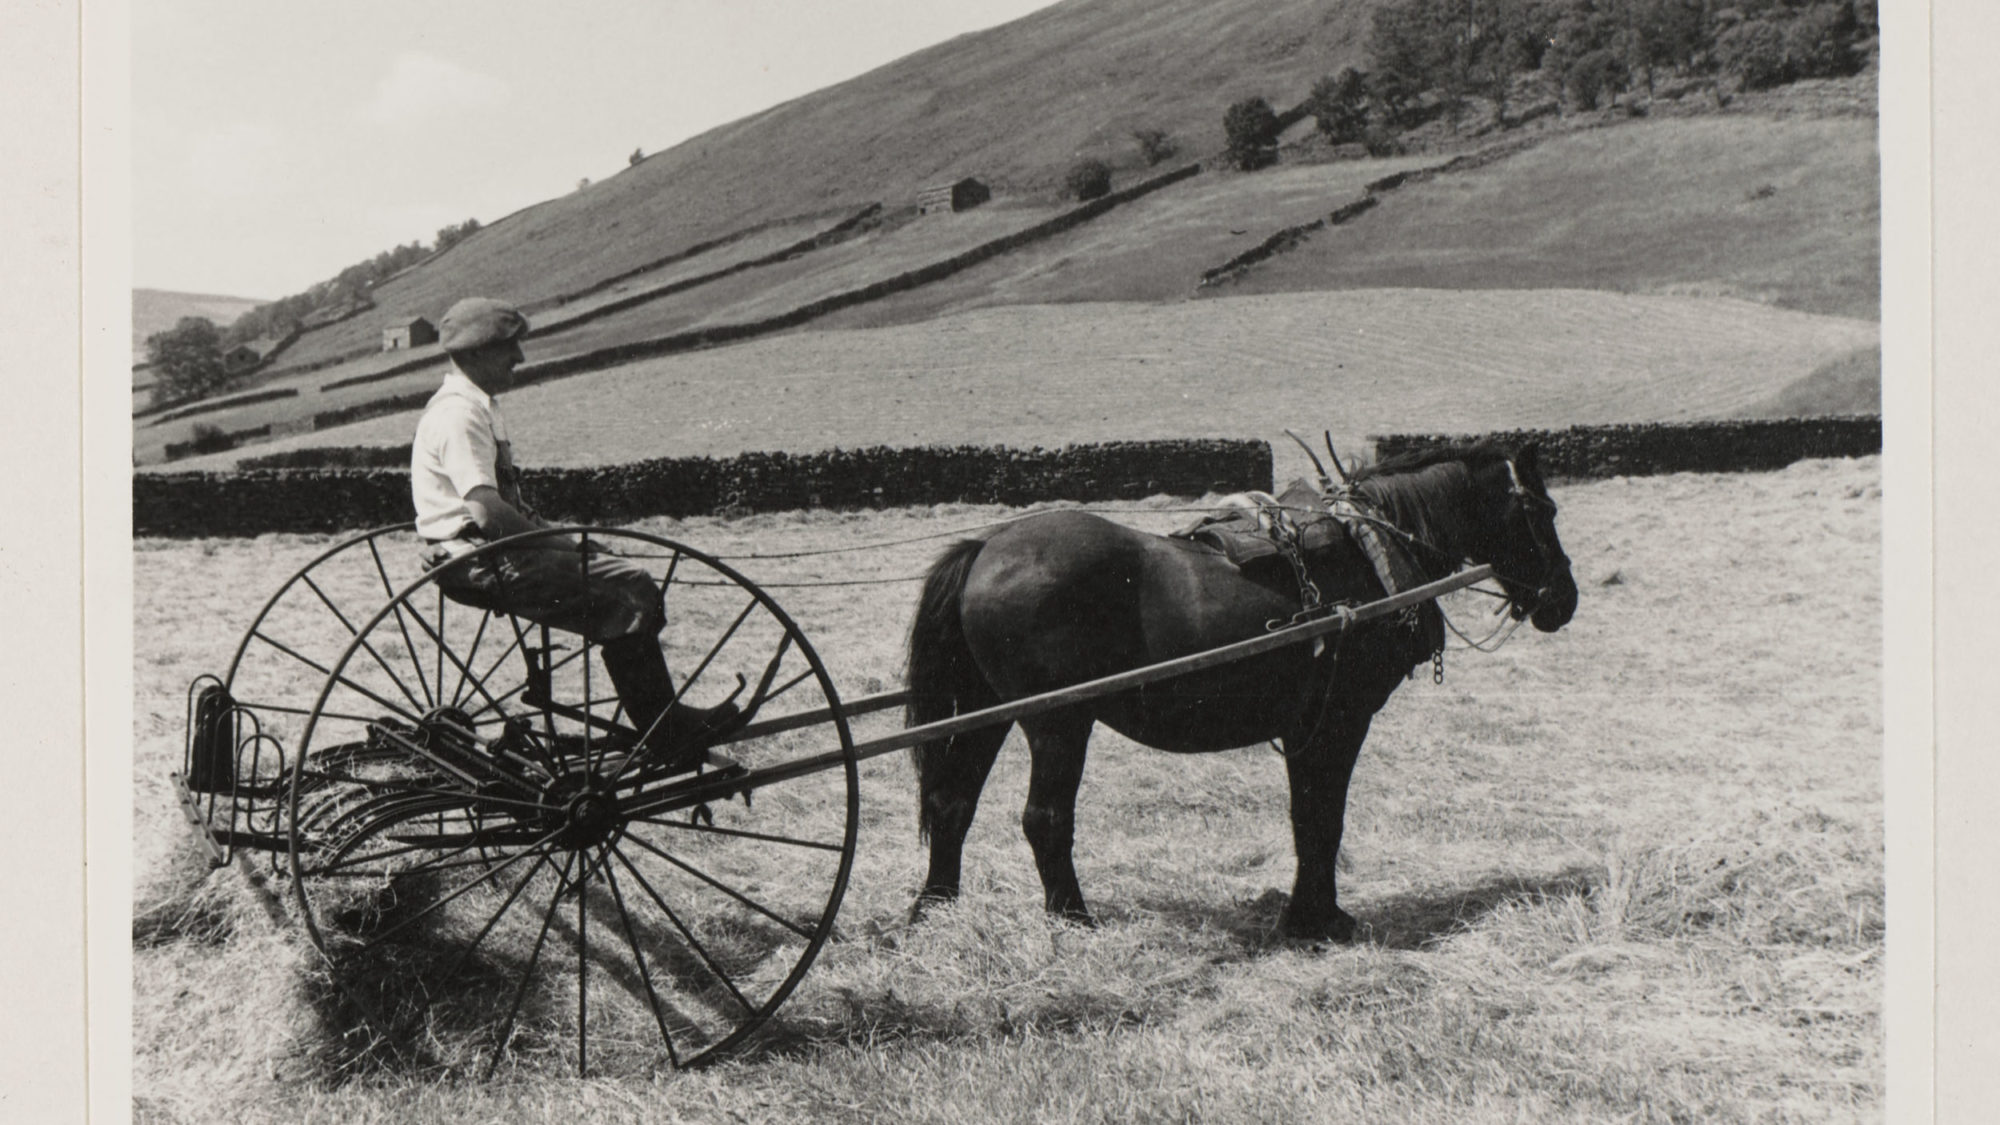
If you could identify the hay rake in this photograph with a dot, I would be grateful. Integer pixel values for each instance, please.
(459, 805)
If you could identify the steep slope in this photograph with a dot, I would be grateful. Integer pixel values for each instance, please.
(1013, 105)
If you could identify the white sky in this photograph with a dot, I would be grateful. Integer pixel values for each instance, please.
(275, 143)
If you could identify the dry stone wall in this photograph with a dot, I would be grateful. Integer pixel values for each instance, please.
(1646, 449)
(258, 501)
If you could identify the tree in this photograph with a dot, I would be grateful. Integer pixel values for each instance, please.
(1088, 179)
(188, 358)
(1339, 105)
(1155, 145)
(1251, 127)
(633, 160)
(450, 236)
(1595, 75)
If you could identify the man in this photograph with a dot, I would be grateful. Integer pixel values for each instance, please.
(467, 492)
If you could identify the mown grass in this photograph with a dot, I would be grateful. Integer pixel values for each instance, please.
(1631, 871)
(1357, 362)
(1779, 210)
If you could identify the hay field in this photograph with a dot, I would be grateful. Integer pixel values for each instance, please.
(1355, 362)
(1629, 871)
(1781, 210)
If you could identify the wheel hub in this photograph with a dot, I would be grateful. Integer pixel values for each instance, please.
(589, 818)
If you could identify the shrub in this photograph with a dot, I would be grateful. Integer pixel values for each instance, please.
(1754, 51)
(210, 438)
(1251, 127)
(1381, 140)
(1819, 42)
(1594, 75)
(1155, 145)
(1088, 179)
(1339, 105)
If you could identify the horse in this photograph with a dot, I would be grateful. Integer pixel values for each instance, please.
(1062, 597)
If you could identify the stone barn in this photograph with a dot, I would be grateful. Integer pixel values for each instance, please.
(407, 333)
(242, 357)
(959, 195)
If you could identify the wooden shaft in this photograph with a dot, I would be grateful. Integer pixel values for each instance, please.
(1062, 697)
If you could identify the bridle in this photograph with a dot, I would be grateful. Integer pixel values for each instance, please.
(1530, 503)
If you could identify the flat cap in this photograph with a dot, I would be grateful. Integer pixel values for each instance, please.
(479, 320)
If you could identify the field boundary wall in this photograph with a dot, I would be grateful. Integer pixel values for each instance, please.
(700, 339)
(1647, 449)
(301, 500)
(1291, 237)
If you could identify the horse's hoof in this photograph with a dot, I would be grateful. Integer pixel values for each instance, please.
(1338, 927)
(1082, 919)
(924, 902)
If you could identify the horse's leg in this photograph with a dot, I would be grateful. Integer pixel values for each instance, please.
(949, 792)
(1320, 766)
(1057, 741)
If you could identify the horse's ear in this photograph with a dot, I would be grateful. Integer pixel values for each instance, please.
(1525, 460)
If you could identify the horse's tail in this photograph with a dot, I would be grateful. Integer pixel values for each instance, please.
(942, 677)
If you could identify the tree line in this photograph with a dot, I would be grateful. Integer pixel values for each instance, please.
(187, 358)
(1430, 57)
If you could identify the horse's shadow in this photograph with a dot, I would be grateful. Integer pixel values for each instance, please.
(1414, 920)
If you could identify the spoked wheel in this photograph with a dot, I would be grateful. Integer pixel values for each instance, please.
(496, 868)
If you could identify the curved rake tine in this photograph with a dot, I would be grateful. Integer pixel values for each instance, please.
(438, 904)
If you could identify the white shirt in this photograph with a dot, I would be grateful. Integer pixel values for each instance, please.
(461, 444)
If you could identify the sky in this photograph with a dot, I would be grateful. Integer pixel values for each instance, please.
(276, 143)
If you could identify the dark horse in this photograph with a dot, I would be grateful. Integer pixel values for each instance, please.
(1064, 597)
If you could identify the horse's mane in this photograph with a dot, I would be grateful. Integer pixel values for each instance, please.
(1424, 491)
(1473, 454)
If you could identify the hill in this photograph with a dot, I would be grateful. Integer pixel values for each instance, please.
(1773, 199)
(1014, 105)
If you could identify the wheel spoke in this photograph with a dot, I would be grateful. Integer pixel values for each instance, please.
(465, 954)
(712, 830)
(582, 973)
(639, 959)
(396, 605)
(687, 935)
(343, 680)
(528, 974)
(370, 648)
(471, 655)
(730, 891)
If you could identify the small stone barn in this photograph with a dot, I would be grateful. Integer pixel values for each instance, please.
(408, 332)
(240, 358)
(959, 195)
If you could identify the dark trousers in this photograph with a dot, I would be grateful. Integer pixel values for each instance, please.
(603, 598)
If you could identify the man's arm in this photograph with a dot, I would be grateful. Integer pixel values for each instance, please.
(495, 516)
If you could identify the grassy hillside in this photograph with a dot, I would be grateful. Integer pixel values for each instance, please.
(1785, 211)
(1013, 105)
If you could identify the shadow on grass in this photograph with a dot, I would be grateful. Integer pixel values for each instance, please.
(1410, 921)
(403, 998)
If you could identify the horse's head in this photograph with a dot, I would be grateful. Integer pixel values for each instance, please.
(1521, 542)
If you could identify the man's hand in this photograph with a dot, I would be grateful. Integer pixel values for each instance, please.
(495, 516)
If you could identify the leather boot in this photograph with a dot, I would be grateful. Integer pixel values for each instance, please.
(677, 734)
